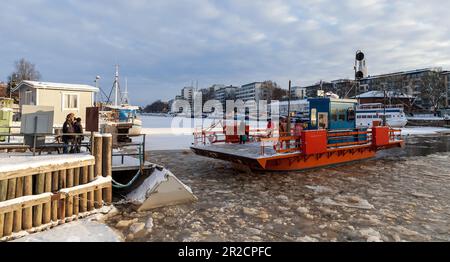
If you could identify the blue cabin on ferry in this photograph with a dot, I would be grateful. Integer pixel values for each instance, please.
(334, 115)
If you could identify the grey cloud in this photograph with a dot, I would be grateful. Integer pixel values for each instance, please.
(164, 45)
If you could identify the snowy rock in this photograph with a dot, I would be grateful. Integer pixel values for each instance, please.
(225, 192)
(302, 210)
(346, 201)
(136, 228)
(373, 220)
(307, 239)
(263, 215)
(284, 209)
(254, 231)
(158, 215)
(327, 211)
(278, 221)
(309, 216)
(421, 195)
(371, 235)
(130, 237)
(321, 189)
(98, 217)
(396, 238)
(256, 238)
(374, 239)
(282, 198)
(149, 225)
(125, 223)
(405, 231)
(250, 211)
(112, 213)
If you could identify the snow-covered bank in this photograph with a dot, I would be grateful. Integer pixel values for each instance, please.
(416, 131)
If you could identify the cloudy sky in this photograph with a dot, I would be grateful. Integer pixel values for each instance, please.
(163, 45)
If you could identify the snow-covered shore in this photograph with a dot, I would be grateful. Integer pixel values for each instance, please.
(416, 131)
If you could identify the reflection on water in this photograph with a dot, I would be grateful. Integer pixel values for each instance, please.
(419, 146)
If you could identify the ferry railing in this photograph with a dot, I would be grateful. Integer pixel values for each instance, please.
(286, 143)
(358, 137)
(395, 134)
(10, 129)
(54, 142)
(139, 151)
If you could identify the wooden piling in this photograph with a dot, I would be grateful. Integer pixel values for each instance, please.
(91, 175)
(98, 147)
(37, 210)
(107, 166)
(83, 197)
(61, 202)
(76, 200)
(55, 188)
(62, 211)
(8, 224)
(3, 196)
(47, 202)
(76, 177)
(69, 200)
(28, 212)
(98, 197)
(47, 210)
(17, 223)
(62, 179)
(90, 194)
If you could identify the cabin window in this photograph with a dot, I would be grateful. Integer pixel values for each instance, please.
(70, 101)
(323, 120)
(314, 117)
(351, 114)
(342, 114)
(334, 114)
(29, 98)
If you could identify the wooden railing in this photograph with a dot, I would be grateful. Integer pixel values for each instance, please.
(49, 189)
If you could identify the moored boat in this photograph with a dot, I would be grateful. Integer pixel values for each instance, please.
(120, 119)
(368, 113)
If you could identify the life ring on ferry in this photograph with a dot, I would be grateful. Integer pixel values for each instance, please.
(212, 138)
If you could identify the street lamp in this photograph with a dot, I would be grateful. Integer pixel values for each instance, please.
(97, 80)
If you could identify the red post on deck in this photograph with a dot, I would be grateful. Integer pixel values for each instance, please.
(380, 136)
(314, 142)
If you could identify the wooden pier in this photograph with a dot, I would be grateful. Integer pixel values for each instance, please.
(41, 190)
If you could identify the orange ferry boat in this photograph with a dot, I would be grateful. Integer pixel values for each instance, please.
(331, 138)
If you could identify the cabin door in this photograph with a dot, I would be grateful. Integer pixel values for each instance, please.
(323, 120)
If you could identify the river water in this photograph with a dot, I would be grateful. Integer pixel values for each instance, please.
(401, 195)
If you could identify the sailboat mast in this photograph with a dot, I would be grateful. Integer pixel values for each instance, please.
(116, 87)
(125, 94)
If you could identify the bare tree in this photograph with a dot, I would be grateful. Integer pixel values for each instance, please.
(24, 70)
(275, 92)
(434, 90)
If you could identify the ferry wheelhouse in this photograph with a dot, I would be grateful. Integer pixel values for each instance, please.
(331, 137)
